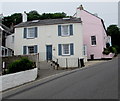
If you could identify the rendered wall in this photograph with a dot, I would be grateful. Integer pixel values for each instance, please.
(16, 79)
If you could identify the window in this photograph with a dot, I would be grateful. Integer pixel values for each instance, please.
(65, 30)
(31, 33)
(93, 40)
(30, 49)
(66, 49)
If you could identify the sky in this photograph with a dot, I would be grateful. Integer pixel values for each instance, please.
(108, 11)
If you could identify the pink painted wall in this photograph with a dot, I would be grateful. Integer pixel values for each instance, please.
(92, 26)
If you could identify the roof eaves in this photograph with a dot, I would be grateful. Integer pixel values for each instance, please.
(38, 24)
(92, 14)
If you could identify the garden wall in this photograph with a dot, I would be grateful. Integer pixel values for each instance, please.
(19, 78)
(109, 56)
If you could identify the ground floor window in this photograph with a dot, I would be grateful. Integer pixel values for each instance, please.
(30, 49)
(66, 49)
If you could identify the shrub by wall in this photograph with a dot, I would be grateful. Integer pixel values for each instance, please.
(110, 50)
(20, 65)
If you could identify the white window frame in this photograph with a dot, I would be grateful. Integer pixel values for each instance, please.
(62, 33)
(29, 33)
(93, 40)
(63, 49)
(28, 49)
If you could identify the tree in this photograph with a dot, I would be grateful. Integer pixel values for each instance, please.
(12, 20)
(33, 15)
(114, 32)
(16, 18)
(52, 15)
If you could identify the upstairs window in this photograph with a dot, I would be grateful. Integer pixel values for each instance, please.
(93, 40)
(30, 32)
(65, 30)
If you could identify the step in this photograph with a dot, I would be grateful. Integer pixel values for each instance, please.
(44, 65)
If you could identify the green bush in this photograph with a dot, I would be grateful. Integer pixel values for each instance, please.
(20, 65)
(106, 51)
(110, 50)
(113, 50)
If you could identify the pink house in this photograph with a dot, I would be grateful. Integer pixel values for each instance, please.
(94, 34)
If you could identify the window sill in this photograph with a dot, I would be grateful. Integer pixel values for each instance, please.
(66, 55)
(93, 45)
(29, 38)
(65, 35)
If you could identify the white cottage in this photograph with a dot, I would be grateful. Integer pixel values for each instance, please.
(60, 40)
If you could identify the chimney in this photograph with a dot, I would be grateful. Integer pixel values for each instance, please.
(78, 11)
(80, 7)
(24, 17)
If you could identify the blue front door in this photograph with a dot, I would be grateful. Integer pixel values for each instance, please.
(49, 52)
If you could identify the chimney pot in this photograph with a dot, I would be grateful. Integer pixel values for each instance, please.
(24, 16)
(80, 7)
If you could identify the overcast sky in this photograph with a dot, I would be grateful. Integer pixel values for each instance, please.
(108, 11)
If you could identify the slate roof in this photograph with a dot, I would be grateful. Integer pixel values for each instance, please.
(49, 22)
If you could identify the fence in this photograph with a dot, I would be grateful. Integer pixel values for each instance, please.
(70, 62)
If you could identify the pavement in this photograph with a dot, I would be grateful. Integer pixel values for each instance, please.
(93, 62)
(98, 80)
(42, 73)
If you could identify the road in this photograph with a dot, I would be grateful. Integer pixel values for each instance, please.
(96, 82)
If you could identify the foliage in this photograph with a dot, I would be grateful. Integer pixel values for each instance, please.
(12, 20)
(20, 65)
(110, 50)
(16, 18)
(114, 32)
(52, 15)
(33, 15)
(106, 51)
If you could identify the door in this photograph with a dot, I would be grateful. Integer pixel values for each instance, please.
(49, 52)
(92, 56)
(82, 62)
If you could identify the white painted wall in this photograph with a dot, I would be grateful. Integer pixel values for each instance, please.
(16, 79)
(9, 41)
(48, 35)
